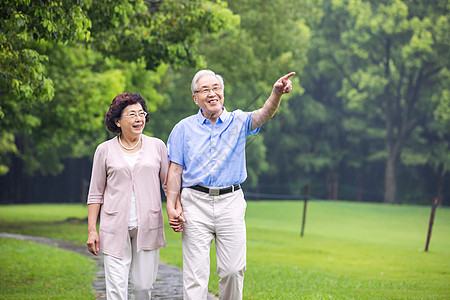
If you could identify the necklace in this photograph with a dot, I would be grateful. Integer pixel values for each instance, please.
(120, 142)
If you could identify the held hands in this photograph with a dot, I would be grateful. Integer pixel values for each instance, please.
(176, 219)
(93, 242)
(283, 85)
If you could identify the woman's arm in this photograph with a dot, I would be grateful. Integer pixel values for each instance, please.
(93, 241)
(173, 206)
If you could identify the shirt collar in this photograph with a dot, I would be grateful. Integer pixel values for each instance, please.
(223, 116)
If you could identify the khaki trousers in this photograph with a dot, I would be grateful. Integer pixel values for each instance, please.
(142, 266)
(222, 218)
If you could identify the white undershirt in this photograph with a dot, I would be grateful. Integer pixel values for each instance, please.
(133, 220)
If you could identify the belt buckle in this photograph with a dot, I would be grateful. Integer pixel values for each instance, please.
(214, 192)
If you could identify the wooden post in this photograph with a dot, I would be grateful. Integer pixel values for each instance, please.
(430, 226)
(304, 208)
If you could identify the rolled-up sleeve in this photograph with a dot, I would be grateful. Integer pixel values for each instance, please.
(248, 126)
(175, 145)
(164, 168)
(98, 177)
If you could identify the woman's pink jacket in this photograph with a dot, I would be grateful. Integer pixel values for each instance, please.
(112, 181)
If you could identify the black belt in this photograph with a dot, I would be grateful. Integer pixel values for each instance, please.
(218, 191)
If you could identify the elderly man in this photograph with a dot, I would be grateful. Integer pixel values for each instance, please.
(207, 159)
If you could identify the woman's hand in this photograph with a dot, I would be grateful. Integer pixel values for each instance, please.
(176, 219)
(93, 242)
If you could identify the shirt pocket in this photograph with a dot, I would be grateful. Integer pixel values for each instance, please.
(155, 219)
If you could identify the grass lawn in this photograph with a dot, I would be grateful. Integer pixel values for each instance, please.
(32, 271)
(349, 251)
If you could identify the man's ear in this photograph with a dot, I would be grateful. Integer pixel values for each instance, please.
(195, 99)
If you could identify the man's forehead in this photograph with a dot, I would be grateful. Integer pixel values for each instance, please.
(208, 80)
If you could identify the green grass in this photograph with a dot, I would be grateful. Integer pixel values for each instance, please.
(58, 221)
(349, 251)
(33, 271)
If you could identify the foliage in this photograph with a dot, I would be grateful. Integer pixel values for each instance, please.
(250, 60)
(148, 33)
(370, 106)
(25, 23)
(72, 124)
(23, 80)
(377, 75)
(159, 31)
(394, 62)
(75, 115)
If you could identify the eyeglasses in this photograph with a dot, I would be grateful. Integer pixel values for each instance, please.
(206, 91)
(133, 115)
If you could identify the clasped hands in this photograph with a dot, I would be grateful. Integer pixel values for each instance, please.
(176, 219)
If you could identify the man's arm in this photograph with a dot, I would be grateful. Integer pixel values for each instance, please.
(173, 206)
(282, 86)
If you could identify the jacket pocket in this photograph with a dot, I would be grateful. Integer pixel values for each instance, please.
(155, 219)
(111, 213)
(108, 221)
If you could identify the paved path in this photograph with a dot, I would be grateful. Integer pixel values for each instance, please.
(168, 285)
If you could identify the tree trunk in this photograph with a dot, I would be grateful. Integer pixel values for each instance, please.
(360, 185)
(440, 183)
(390, 181)
(329, 193)
(335, 189)
(332, 186)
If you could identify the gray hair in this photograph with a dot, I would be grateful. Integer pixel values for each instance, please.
(202, 73)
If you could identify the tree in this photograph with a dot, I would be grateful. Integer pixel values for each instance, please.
(24, 24)
(22, 75)
(272, 40)
(394, 60)
(72, 124)
(151, 32)
(440, 158)
(432, 147)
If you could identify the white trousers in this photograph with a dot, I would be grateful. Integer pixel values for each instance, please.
(142, 266)
(222, 218)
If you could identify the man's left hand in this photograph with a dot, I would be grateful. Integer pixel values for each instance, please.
(283, 85)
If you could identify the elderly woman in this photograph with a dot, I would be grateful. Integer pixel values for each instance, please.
(125, 188)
